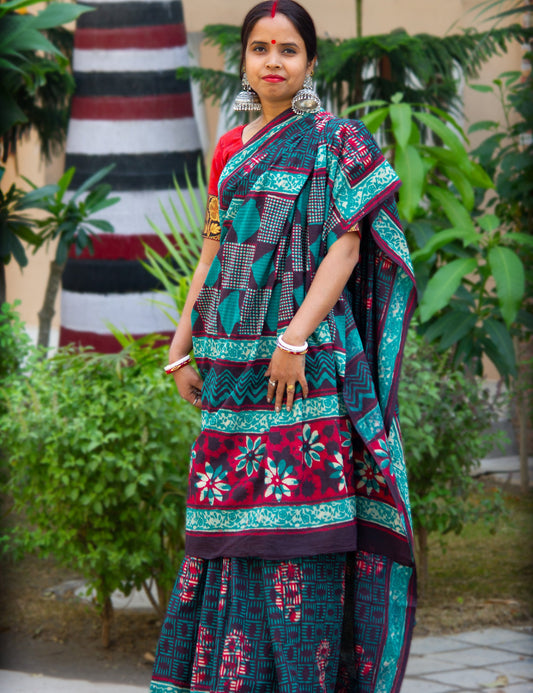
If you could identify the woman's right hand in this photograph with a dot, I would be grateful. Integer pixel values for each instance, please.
(189, 384)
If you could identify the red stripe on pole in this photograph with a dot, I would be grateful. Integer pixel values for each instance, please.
(102, 343)
(162, 36)
(118, 247)
(132, 108)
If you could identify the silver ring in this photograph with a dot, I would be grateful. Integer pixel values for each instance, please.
(272, 382)
(195, 400)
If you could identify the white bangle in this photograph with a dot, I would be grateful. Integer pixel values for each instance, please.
(173, 367)
(282, 344)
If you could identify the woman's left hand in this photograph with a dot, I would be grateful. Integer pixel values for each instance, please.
(285, 371)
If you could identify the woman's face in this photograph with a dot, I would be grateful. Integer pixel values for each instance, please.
(276, 61)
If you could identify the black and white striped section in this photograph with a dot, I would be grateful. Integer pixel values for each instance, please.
(129, 110)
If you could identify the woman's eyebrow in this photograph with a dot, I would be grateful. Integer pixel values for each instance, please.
(265, 43)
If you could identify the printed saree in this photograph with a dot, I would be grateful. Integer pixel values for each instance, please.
(329, 476)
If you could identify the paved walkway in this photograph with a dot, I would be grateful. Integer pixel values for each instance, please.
(504, 469)
(495, 659)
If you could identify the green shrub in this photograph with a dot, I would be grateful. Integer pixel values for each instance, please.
(14, 341)
(98, 453)
(446, 418)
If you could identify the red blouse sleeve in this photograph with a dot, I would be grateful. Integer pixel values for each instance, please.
(226, 147)
(217, 164)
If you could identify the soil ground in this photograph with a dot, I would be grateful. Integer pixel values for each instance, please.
(478, 579)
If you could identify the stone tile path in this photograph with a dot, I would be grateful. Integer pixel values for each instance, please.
(495, 659)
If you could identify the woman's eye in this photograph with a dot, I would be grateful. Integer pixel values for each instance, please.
(291, 51)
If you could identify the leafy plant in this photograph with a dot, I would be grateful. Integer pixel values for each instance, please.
(98, 452)
(35, 80)
(422, 66)
(14, 341)
(14, 347)
(69, 223)
(174, 270)
(507, 153)
(469, 273)
(508, 8)
(446, 418)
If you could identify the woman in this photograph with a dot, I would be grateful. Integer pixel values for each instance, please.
(298, 575)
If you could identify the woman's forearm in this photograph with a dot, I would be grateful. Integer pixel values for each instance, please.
(325, 289)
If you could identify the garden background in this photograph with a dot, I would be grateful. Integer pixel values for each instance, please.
(335, 18)
(94, 447)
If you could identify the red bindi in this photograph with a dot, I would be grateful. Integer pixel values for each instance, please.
(273, 42)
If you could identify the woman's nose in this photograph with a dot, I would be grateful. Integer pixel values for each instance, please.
(273, 61)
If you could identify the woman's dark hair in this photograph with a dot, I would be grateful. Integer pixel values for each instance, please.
(298, 15)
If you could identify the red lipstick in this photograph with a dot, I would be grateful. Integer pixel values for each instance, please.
(273, 78)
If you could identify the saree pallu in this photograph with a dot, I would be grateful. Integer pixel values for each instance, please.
(327, 478)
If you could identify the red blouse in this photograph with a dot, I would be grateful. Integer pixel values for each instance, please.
(227, 145)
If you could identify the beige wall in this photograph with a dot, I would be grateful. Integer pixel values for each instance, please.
(335, 18)
(28, 284)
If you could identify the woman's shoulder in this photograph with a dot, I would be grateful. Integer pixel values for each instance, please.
(337, 128)
(226, 146)
(349, 141)
(231, 138)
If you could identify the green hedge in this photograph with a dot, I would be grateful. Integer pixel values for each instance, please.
(98, 453)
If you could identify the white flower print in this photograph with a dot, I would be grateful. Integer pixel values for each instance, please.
(370, 477)
(278, 479)
(338, 470)
(311, 447)
(211, 483)
(347, 442)
(251, 455)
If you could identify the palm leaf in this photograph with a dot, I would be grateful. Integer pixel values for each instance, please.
(183, 244)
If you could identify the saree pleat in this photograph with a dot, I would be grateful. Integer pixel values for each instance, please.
(252, 625)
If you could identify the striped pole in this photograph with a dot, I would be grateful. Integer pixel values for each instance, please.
(128, 110)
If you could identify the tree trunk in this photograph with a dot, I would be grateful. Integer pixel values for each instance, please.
(423, 560)
(2, 283)
(47, 312)
(359, 18)
(107, 618)
(523, 416)
(163, 598)
(522, 407)
(158, 604)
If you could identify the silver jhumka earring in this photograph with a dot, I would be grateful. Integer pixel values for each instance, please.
(306, 100)
(247, 99)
